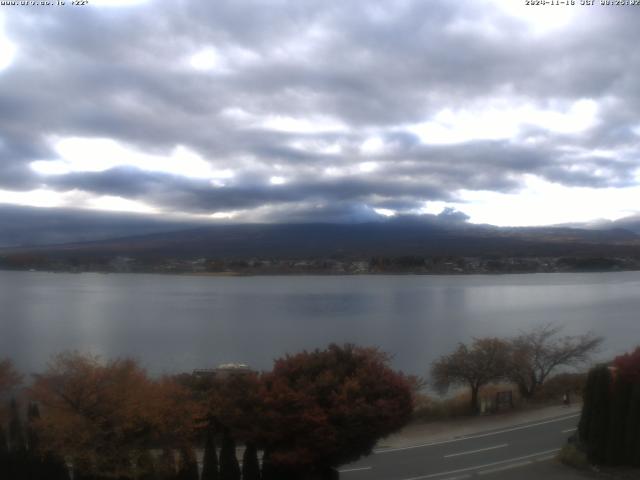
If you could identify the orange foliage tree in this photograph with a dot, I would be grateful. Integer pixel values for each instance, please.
(103, 416)
(9, 377)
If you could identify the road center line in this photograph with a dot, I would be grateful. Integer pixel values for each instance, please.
(476, 451)
(486, 465)
(471, 437)
(570, 430)
(359, 469)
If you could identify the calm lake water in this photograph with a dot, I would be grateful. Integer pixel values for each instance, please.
(177, 323)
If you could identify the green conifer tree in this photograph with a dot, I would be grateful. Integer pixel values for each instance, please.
(17, 440)
(33, 415)
(146, 468)
(18, 454)
(34, 457)
(616, 432)
(55, 467)
(188, 465)
(632, 437)
(229, 468)
(167, 465)
(596, 440)
(588, 397)
(4, 455)
(210, 459)
(250, 464)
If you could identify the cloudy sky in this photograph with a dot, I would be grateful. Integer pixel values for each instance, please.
(296, 110)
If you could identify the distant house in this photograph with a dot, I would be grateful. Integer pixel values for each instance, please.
(223, 371)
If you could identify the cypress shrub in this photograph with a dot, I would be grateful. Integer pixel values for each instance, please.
(4, 455)
(609, 427)
(188, 466)
(616, 432)
(145, 466)
(268, 472)
(250, 464)
(55, 467)
(632, 437)
(33, 415)
(167, 465)
(229, 468)
(596, 415)
(588, 396)
(210, 459)
(17, 441)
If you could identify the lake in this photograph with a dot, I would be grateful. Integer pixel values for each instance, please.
(178, 323)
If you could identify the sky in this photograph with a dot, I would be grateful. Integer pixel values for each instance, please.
(305, 111)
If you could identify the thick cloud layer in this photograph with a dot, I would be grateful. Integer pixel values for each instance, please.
(331, 110)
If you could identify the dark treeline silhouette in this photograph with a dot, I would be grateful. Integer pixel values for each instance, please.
(22, 456)
(609, 429)
(99, 420)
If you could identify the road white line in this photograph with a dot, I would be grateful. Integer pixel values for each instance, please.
(487, 465)
(471, 437)
(476, 451)
(360, 469)
(570, 430)
(505, 467)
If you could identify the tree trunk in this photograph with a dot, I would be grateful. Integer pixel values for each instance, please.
(474, 399)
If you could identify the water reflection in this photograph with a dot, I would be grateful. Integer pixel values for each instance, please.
(175, 323)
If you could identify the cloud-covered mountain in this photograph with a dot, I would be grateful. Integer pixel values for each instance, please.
(25, 226)
(425, 235)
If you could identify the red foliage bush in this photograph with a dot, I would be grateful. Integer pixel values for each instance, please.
(628, 365)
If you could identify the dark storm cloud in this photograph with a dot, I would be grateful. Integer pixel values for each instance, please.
(368, 70)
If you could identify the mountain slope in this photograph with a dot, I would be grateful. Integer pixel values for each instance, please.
(390, 238)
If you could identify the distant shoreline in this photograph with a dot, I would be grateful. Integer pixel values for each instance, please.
(317, 274)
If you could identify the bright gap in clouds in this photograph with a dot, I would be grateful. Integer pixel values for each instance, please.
(545, 203)
(499, 120)
(119, 204)
(312, 124)
(78, 154)
(73, 199)
(207, 60)
(38, 198)
(385, 212)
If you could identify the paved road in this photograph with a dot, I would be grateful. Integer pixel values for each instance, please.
(484, 454)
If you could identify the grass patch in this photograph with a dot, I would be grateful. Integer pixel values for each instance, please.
(573, 457)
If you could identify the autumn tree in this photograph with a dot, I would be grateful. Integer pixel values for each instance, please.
(328, 407)
(538, 353)
(9, 377)
(235, 403)
(102, 414)
(475, 365)
(628, 366)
